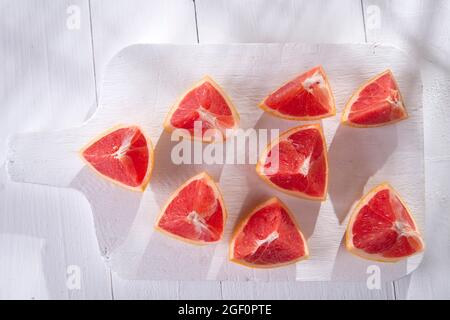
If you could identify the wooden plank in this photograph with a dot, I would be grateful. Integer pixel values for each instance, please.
(47, 83)
(115, 25)
(143, 290)
(304, 291)
(237, 21)
(335, 21)
(120, 23)
(183, 290)
(200, 290)
(422, 28)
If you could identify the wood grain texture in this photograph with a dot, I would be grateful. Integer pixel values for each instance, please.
(124, 219)
(423, 30)
(304, 291)
(251, 34)
(47, 82)
(402, 21)
(217, 28)
(183, 290)
(115, 25)
(323, 21)
(120, 23)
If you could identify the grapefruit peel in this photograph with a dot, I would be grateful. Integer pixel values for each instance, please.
(346, 113)
(318, 77)
(379, 257)
(276, 141)
(218, 196)
(150, 165)
(205, 139)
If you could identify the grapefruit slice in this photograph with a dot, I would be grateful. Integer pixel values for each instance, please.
(381, 227)
(307, 97)
(207, 104)
(268, 237)
(195, 212)
(378, 102)
(122, 155)
(296, 163)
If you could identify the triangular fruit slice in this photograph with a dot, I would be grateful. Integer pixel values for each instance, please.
(206, 107)
(381, 227)
(296, 163)
(268, 237)
(378, 102)
(195, 212)
(123, 155)
(307, 97)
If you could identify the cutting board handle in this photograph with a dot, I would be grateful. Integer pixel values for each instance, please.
(48, 158)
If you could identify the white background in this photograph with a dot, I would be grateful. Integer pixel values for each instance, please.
(49, 76)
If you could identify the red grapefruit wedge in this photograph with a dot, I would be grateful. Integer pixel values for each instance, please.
(195, 212)
(306, 97)
(268, 237)
(296, 163)
(381, 227)
(122, 155)
(207, 104)
(378, 102)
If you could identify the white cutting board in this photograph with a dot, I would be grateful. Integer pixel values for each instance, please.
(141, 83)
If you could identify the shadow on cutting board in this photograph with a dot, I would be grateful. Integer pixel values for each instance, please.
(114, 208)
(348, 267)
(168, 176)
(354, 156)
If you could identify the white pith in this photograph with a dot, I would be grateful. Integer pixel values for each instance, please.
(268, 240)
(271, 237)
(396, 103)
(304, 168)
(206, 116)
(315, 79)
(404, 230)
(198, 221)
(121, 151)
(125, 146)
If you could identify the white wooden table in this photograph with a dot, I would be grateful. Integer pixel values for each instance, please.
(53, 54)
